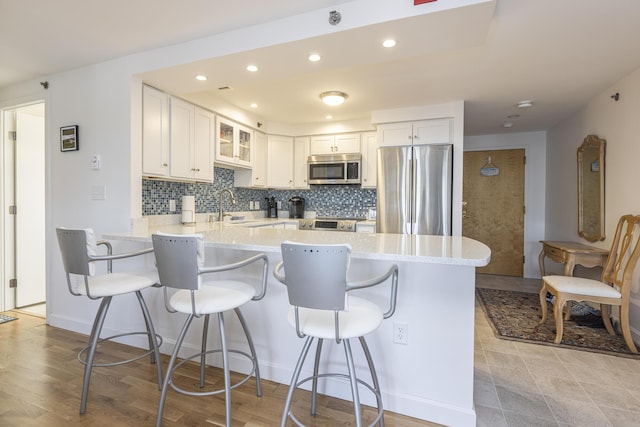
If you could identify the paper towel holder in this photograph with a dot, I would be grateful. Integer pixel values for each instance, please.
(188, 210)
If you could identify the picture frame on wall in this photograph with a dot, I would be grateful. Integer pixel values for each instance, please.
(69, 138)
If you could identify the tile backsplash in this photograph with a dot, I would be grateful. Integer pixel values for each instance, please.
(325, 200)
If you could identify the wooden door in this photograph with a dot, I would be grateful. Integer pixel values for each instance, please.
(493, 210)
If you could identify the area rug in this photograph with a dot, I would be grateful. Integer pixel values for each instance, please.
(516, 316)
(4, 318)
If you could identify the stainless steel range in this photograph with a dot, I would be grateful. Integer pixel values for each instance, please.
(328, 224)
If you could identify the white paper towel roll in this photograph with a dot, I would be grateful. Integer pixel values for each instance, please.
(188, 209)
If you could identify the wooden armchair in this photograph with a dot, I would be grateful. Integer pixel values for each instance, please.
(613, 289)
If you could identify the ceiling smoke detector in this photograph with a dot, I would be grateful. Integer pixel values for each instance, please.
(334, 17)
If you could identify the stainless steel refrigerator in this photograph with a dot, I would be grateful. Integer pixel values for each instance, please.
(414, 189)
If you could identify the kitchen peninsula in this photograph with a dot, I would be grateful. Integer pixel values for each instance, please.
(430, 377)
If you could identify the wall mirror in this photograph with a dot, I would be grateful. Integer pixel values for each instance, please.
(591, 189)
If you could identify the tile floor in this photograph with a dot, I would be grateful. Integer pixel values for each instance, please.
(519, 384)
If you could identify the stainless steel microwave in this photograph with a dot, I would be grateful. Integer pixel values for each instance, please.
(334, 169)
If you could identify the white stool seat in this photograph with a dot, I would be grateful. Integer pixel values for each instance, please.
(213, 297)
(117, 284)
(361, 318)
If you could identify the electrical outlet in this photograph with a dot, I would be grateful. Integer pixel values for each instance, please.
(250, 205)
(256, 205)
(401, 333)
(172, 205)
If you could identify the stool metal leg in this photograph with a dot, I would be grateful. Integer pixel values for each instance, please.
(294, 380)
(225, 365)
(153, 342)
(374, 379)
(167, 378)
(93, 343)
(203, 348)
(254, 355)
(354, 382)
(314, 387)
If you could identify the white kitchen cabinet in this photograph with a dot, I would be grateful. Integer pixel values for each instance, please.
(301, 156)
(280, 161)
(155, 132)
(437, 131)
(335, 144)
(369, 165)
(233, 144)
(257, 175)
(192, 135)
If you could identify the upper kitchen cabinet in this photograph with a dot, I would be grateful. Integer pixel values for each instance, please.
(155, 132)
(369, 159)
(437, 131)
(300, 155)
(233, 144)
(335, 144)
(280, 167)
(192, 136)
(257, 175)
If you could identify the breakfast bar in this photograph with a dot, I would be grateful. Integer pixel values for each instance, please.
(428, 376)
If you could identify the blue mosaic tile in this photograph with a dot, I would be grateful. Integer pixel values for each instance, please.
(327, 200)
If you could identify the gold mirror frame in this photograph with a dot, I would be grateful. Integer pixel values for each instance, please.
(591, 188)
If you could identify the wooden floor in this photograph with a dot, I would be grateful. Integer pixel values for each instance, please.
(41, 382)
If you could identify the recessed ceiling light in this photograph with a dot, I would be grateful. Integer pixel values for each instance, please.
(389, 43)
(507, 125)
(333, 97)
(201, 77)
(329, 117)
(254, 105)
(525, 104)
(314, 57)
(252, 68)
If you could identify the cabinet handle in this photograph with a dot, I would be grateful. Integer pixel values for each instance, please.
(165, 165)
(410, 137)
(416, 137)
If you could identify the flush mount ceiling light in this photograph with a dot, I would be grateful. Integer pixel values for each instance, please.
(333, 97)
(525, 104)
(389, 43)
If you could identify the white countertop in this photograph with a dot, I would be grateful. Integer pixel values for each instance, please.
(452, 250)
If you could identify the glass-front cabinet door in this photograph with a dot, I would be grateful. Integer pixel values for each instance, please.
(233, 144)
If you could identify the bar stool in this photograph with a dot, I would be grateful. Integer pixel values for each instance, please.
(180, 262)
(79, 256)
(317, 286)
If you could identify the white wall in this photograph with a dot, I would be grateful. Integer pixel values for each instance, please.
(617, 123)
(534, 144)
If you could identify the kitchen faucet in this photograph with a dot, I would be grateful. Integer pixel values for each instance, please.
(233, 201)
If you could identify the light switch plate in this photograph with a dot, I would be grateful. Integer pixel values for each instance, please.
(98, 192)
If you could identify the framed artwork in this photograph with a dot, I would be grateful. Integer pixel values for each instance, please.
(69, 138)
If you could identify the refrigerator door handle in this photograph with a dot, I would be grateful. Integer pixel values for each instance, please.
(414, 186)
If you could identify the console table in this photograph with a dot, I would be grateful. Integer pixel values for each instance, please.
(570, 254)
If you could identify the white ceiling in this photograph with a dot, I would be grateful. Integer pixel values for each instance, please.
(557, 53)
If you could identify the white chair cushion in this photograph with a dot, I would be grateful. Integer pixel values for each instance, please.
(117, 283)
(361, 318)
(213, 297)
(581, 286)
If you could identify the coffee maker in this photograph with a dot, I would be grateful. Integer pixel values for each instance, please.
(296, 207)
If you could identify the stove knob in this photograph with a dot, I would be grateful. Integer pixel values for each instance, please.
(342, 226)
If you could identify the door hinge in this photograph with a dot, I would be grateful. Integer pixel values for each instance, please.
(523, 261)
(524, 160)
(524, 210)
(13, 135)
(13, 210)
(13, 283)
